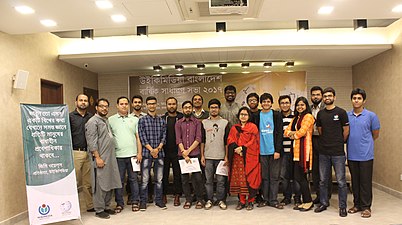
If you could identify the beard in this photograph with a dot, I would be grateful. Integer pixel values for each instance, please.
(137, 108)
(330, 102)
(316, 101)
(187, 115)
(172, 110)
(82, 107)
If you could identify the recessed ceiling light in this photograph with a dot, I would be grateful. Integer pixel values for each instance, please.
(245, 72)
(326, 10)
(119, 18)
(23, 9)
(397, 9)
(201, 73)
(267, 71)
(48, 23)
(223, 72)
(104, 4)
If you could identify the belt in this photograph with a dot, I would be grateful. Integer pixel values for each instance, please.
(81, 149)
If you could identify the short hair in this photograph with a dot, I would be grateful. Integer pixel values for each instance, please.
(358, 91)
(316, 88)
(253, 95)
(122, 97)
(171, 97)
(100, 100)
(248, 112)
(305, 101)
(186, 102)
(284, 97)
(329, 89)
(202, 99)
(76, 98)
(214, 101)
(266, 96)
(150, 98)
(137, 96)
(230, 88)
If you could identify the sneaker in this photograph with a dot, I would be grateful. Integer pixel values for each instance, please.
(110, 211)
(161, 205)
(143, 206)
(222, 205)
(208, 205)
(102, 215)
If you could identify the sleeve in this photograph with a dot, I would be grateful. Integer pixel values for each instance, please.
(344, 118)
(163, 130)
(142, 132)
(288, 128)
(227, 130)
(198, 135)
(306, 125)
(91, 135)
(318, 121)
(178, 132)
(232, 135)
(375, 122)
(279, 133)
(203, 133)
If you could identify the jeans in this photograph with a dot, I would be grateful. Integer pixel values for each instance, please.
(362, 177)
(146, 165)
(316, 169)
(210, 170)
(326, 163)
(289, 184)
(270, 170)
(124, 165)
(174, 160)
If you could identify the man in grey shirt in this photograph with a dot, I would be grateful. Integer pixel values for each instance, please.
(105, 173)
(230, 108)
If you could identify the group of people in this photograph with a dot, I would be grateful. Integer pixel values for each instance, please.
(263, 149)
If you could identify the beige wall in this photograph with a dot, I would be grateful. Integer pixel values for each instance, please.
(38, 55)
(381, 77)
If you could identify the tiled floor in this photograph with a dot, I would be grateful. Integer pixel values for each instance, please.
(386, 210)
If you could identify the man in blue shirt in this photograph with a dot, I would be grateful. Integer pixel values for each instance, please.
(364, 129)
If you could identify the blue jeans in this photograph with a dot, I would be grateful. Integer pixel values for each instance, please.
(146, 165)
(210, 170)
(326, 163)
(124, 165)
(289, 184)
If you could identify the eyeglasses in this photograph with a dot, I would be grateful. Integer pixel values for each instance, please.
(243, 114)
(285, 103)
(103, 106)
(252, 100)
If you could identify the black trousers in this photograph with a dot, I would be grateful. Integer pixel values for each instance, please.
(316, 169)
(301, 177)
(172, 160)
(362, 177)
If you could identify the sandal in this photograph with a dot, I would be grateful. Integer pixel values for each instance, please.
(118, 209)
(240, 206)
(199, 205)
(354, 209)
(135, 207)
(277, 205)
(366, 213)
(250, 206)
(187, 205)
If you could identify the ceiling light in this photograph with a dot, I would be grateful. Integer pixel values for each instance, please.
(223, 66)
(245, 65)
(142, 30)
(325, 10)
(200, 66)
(267, 64)
(48, 23)
(397, 9)
(118, 18)
(267, 71)
(200, 73)
(87, 33)
(179, 67)
(23, 9)
(220, 26)
(179, 74)
(359, 24)
(245, 72)
(157, 68)
(104, 4)
(290, 64)
(302, 25)
(223, 72)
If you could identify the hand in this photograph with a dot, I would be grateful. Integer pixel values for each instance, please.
(239, 150)
(185, 153)
(226, 160)
(139, 158)
(154, 153)
(188, 160)
(277, 155)
(99, 163)
(203, 161)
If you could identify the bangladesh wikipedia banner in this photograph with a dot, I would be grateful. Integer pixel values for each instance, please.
(49, 167)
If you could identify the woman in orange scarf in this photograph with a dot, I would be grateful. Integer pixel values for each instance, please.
(300, 130)
(244, 151)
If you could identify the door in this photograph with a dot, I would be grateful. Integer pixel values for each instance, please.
(51, 92)
(93, 96)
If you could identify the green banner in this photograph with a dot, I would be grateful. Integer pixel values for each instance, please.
(47, 143)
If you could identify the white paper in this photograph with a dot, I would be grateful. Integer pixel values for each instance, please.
(136, 166)
(190, 167)
(221, 169)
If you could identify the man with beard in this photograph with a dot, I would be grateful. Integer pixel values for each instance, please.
(136, 103)
(333, 127)
(106, 172)
(252, 102)
(230, 108)
(82, 163)
(171, 117)
(188, 138)
(316, 99)
(198, 111)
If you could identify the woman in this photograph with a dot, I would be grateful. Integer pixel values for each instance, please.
(244, 151)
(300, 130)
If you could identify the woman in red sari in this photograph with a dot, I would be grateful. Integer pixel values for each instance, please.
(244, 152)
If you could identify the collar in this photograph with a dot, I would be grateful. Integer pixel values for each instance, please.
(318, 106)
(122, 116)
(363, 113)
(75, 112)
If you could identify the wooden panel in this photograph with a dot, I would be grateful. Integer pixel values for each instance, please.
(51, 92)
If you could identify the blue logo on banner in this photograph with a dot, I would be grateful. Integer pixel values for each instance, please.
(44, 209)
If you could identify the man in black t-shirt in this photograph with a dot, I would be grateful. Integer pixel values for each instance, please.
(333, 127)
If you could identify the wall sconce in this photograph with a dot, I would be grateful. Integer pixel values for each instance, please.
(223, 66)
(157, 68)
(267, 64)
(200, 66)
(290, 64)
(179, 67)
(245, 65)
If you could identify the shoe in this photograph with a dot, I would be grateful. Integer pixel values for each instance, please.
(118, 209)
(102, 215)
(110, 211)
(240, 206)
(143, 206)
(306, 207)
(164, 199)
(286, 201)
(262, 204)
(250, 206)
(91, 210)
(176, 201)
(199, 205)
(259, 198)
(320, 208)
(316, 200)
(161, 205)
(354, 209)
(366, 213)
(298, 207)
(187, 205)
(343, 212)
(208, 205)
(222, 205)
(277, 205)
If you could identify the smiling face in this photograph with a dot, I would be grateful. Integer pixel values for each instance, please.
(329, 98)
(197, 101)
(122, 106)
(252, 103)
(243, 116)
(102, 109)
(151, 105)
(300, 107)
(266, 104)
(187, 110)
(230, 95)
(284, 105)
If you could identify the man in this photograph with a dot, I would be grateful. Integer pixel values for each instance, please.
(125, 132)
(214, 149)
(199, 112)
(82, 163)
(170, 149)
(136, 103)
(252, 102)
(230, 109)
(152, 131)
(188, 138)
(270, 126)
(364, 130)
(106, 172)
(333, 127)
(289, 185)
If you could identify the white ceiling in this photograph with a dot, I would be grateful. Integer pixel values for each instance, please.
(182, 16)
